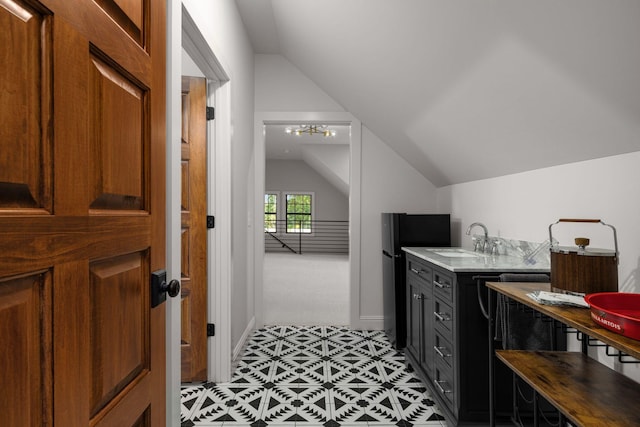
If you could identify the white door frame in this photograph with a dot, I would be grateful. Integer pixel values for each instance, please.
(183, 33)
(218, 198)
(266, 118)
(173, 197)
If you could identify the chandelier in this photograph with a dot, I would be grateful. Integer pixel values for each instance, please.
(311, 130)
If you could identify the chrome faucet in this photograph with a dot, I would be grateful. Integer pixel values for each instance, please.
(480, 245)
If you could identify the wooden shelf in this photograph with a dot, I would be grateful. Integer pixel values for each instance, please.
(578, 318)
(585, 391)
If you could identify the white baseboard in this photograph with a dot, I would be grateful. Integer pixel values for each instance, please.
(369, 323)
(243, 339)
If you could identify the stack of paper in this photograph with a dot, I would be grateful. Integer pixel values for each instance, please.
(555, 298)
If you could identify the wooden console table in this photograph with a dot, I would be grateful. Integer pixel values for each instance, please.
(585, 391)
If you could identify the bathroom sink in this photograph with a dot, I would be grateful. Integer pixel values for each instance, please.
(457, 253)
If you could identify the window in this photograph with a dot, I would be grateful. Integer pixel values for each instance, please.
(298, 213)
(289, 212)
(270, 212)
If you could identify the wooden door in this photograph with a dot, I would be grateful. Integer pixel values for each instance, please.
(82, 224)
(194, 229)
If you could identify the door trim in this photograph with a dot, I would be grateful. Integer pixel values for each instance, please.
(264, 118)
(219, 197)
(185, 33)
(173, 197)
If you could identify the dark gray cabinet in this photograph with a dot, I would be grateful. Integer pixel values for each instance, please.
(419, 309)
(447, 339)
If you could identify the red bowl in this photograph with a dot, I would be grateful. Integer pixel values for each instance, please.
(616, 311)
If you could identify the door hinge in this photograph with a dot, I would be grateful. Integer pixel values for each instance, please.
(211, 330)
(211, 221)
(211, 114)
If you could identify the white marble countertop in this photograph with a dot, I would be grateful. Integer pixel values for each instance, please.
(461, 260)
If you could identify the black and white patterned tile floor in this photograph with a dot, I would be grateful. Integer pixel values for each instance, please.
(311, 377)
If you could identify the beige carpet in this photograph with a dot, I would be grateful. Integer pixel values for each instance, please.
(307, 289)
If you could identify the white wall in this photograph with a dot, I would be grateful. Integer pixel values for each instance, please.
(332, 162)
(221, 25)
(280, 86)
(329, 204)
(523, 205)
(189, 67)
(389, 184)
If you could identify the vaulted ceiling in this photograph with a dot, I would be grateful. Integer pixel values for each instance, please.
(467, 90)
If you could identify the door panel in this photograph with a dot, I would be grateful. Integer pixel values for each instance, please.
(194, 230)
(120, 137)
(26, 91)
(82, 168)
(129, 14)
(413, 318)
(25, 371)
(119, 350)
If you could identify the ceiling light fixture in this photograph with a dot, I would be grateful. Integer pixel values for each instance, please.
(311, 130)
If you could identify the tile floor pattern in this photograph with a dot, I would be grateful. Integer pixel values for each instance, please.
(314, 376)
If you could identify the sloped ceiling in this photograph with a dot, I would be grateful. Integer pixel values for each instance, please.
(327, 156)
(467, 90)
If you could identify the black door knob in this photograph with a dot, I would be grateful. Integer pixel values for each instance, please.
(173, 288)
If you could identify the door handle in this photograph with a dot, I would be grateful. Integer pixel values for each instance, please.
(160, 288)
(172, 288)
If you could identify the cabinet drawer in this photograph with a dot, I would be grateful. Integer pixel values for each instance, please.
(443, 318)
(443, 350)
(443, 284)
(443, 383)
(419, 270)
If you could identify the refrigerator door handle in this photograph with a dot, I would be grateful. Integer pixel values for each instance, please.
(385, 253)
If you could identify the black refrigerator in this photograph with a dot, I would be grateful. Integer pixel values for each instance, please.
(398, 230)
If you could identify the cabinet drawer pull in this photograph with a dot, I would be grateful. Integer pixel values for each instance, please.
(440, 353)
(443, 317)
(418, 272)
(442, 389)
(418, 296)
(442, 285)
